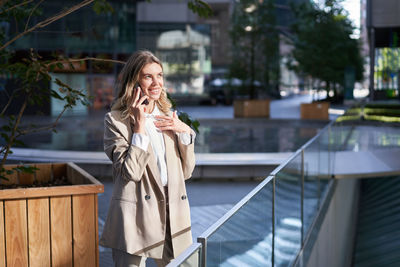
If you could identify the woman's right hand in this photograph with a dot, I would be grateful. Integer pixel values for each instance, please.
(137, 110)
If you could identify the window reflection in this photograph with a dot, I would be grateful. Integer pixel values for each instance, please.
(184, 50)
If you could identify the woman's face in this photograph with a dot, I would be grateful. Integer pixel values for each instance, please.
(151, 81)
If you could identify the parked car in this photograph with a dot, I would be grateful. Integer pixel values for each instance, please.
(224, 91)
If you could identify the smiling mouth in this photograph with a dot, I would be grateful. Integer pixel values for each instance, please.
(154, 91)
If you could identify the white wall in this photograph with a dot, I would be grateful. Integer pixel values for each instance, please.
(334, 244)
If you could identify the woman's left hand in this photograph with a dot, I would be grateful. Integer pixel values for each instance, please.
(173, 123)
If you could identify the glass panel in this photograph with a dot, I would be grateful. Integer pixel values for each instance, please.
(367, 138)
(337, 141)
(326, 158)
(288, 213)
(315, 230)
(193, 260)
(245, 239)
(339, 136)
(312, 170)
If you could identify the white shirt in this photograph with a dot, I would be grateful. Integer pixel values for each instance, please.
(155, 138)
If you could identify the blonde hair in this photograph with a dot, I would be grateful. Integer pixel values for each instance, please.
(129, 76)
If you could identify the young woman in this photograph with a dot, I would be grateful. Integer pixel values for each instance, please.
(152, 154)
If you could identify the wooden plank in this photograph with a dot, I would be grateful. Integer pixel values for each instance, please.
(314, 111)
(251, 108)
(84, 234)
(26, 178)
(43, 175)
(16, 233)
(75, 177)
(13, 178)
(39, 232)
(89, 179)
(2, 241)
(61, 231)
(59, 170)
(96, 224)
(50, 191)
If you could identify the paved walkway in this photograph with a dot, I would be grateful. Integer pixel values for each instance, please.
(286, 108)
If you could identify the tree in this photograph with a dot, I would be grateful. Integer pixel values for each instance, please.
(30, 71)
(322, 46)
(255, 43)
(388, 63)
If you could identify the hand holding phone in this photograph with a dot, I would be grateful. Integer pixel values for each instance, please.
(137, 87)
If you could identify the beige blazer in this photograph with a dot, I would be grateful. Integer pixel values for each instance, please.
(137, 214)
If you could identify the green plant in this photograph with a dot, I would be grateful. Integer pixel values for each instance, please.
(30, 72)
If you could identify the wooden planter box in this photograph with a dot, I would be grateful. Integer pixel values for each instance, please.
(314, 111)
(251, 108)
(50, 226)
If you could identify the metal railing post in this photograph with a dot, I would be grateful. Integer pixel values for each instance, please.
(273, 221)
(302, 197)
(203, 242)
(329, 152)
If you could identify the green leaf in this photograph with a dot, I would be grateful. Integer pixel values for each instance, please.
(60, 65)
(26, 169)
(2, 177)
(20, 143)
(6, 128)
(5, 137)
(200, 8)
(54, 94)
(52, 67)
(102, 6)
(194, 124)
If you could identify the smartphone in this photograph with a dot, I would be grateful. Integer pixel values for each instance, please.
(137, 87)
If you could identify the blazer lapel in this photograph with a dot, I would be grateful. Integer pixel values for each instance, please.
(152, 167)
(169, 149)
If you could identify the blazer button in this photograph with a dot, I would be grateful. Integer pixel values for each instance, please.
(183, 197)
(147, 197)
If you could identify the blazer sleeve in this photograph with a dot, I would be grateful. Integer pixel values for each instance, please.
(187, 156)
(129, 161)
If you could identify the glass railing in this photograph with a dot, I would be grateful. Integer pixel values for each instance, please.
(274, 222)
(192, 256)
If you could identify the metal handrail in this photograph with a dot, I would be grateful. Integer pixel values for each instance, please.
(234, 209)
(185, 255)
